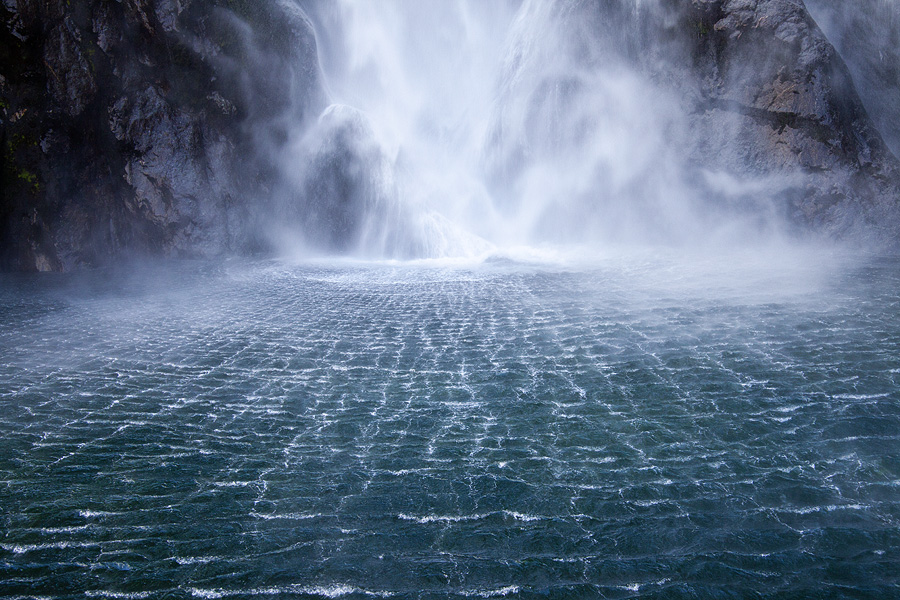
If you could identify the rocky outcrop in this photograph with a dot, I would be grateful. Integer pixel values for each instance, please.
(743, 104)
(866, 34)
(144, 126)
(792, 109)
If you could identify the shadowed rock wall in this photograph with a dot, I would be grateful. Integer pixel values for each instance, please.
(866, 33)
(144, 126)
(773, 83)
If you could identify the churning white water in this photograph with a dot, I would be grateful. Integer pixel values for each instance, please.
(466, 127)
(425, 75)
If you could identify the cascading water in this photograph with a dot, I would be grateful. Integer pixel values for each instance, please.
(466, 128)
(413, 86)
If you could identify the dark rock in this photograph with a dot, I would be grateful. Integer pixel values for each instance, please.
(733, 101)
(71, 81)
(773, 77)
(344, 197)
(866, 34)
(145, 126)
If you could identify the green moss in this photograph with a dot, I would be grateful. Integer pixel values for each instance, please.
(19, 140)
(90, 54)
(703, 29)
(13, 158)
(28, 177)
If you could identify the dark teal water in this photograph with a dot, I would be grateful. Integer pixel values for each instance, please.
(629, 428)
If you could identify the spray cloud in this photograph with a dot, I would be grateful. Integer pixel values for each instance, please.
(457, 128)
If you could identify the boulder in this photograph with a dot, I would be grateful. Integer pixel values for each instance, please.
(343, 198)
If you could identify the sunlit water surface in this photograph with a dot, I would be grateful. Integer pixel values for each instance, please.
(641, 427)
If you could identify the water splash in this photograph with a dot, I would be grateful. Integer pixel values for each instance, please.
(463, 128)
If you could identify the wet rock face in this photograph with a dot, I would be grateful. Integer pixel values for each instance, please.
(775, 84)
(346, 180)
(342, 196)
(140, 127)
(71, 81)
(752, 98)
(866, 34)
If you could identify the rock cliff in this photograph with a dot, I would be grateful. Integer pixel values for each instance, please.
(158, 127)
(792, 108)
(720, 106)
(144, 126)
(866, 34)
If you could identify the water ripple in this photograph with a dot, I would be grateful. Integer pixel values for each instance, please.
(265, 430)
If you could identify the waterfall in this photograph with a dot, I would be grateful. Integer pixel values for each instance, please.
(466, 128)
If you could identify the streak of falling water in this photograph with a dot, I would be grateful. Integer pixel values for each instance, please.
(470, 128)
(424, 75)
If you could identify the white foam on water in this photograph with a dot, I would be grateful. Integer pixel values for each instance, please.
(402, 472)
(462, 518)
(324, 591)
(522, 517)
(496, 593)
(90, 514)
(120, 595)
(199, 560)
(646, 503)
(442, 518)
(286, 516)
(331, 591)
(830, 508)
(861, 396)
(204, 593)
(57, 530)
(24, 548)
(464, 404)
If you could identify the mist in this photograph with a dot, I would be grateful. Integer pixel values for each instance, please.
(464, 129)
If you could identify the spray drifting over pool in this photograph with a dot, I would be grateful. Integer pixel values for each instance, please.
(460, 128)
